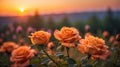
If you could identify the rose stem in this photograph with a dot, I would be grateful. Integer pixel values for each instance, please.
(117, 54)
(38, 53)
(50, 57)
(67, 50)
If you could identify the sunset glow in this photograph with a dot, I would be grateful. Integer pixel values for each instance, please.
(22, 10)
(9, 7)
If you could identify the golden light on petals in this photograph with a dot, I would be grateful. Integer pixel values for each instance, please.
(8, 47)
(94, 46)
(40, 37)
(22, 56)
(67, 36)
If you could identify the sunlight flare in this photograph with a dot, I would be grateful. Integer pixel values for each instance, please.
(22, 10)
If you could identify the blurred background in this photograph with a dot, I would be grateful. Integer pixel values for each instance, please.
(19, 18)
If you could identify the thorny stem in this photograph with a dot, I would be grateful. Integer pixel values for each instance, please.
(50, 57)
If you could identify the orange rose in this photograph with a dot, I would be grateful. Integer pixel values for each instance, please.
(67, 36)
(83, 49)
(40, 37)
(8, 47)
(21, 56)
(102, 56)
(87, 33)
(94, 46)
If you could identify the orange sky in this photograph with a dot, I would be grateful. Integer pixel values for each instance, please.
(12, 7)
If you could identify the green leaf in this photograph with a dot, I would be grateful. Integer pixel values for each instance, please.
(35, 60)
(71, 62)
(86, 65)
(45, 60)
(84, 61)
(60, 55)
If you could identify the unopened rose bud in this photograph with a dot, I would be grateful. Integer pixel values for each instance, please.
(115, 43)
(105, 33)
(50, 45)
(118, 37)
(111, 39)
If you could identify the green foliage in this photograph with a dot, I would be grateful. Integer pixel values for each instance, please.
(95, 24)
(50, 23)
(111, 23)
(64, 22)
(36, 21)
(71, 62)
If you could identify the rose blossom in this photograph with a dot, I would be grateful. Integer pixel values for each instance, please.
(40, 37)
(8, 47)
(67, 36)
(94, 46)
(21, 56)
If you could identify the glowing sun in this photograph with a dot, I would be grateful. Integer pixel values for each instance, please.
(22, 10)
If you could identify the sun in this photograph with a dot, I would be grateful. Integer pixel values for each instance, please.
(22, 10)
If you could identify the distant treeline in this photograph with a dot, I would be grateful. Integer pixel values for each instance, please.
(95, 24)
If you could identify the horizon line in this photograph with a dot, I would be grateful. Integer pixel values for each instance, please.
(65, 13)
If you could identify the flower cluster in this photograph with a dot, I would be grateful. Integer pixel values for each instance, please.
(94, 46)
(69, 37)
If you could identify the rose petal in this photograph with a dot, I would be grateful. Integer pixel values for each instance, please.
(68, 44)
(57, 35)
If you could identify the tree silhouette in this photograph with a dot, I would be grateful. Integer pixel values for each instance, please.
(94, 23)
(65, 21)
(109, 21)
(36, 21)
(50, 23)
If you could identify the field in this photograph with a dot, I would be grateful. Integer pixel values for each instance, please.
(40, 42)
